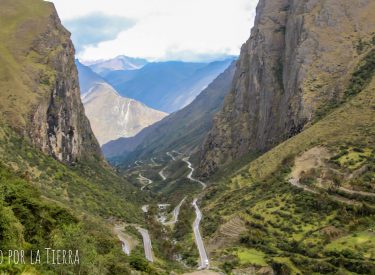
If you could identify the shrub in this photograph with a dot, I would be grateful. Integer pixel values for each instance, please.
(139, 263)
(362, 76)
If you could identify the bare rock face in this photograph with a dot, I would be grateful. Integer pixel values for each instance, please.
(113, 116)
(39, 90)
(296, 64)
(59, 125)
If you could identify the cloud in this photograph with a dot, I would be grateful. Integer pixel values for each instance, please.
(160, 29)
(89, 30)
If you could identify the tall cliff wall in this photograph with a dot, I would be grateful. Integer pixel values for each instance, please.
(292, 70)
(39, 84)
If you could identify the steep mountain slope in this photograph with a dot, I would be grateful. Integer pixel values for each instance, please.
(303, 92)
(39, 87)
(183, 130)
(56, 190)
(121, 62)
(112, 116)
(292, 71)
(87, 78)
(269, 221)
(166, 86)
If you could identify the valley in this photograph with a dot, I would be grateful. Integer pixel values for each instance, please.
(165, 219)
(294, 202)
(261, 164)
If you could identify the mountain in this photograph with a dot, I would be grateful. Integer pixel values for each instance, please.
(302, 207)
(290, 159)
(113, 116)
(183, 130)
(44, 103)
(87, 78)
(166, 86)
(121, 62)
(56, 189)
(289, 75)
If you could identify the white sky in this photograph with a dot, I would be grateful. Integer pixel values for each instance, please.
(189, 30)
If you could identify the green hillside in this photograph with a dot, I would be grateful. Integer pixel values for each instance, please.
(47, 204)
(68, 204)
(257, 218)
(18, 62)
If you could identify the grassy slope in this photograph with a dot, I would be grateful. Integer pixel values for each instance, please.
(18, 20)
(298, 231)
(44, 203)
(47, 204)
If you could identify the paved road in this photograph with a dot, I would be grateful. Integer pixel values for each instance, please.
(154, 162)
(190, 175)
(169, 154)
(146, 243)
(176, 212)
(124, 243)
(204, 262)
(161, 173)
(142, 178)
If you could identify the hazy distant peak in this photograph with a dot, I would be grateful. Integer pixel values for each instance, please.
(119, 63)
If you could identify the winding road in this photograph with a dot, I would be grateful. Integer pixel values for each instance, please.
(146, 243)
(124, 242)
(142, 179)
(170, 155)
(190, 175)
(176, 212)
(204, 262)
(154, 162)
(161, 173)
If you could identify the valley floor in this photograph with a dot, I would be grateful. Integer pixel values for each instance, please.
(304, 207)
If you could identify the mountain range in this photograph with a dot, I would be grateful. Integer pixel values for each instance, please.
(111, 115)
(183, 130)
(166, 86)
(288, 162)
(119, 63)
(269, 170)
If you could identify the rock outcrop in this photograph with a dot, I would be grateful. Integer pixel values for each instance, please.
(293, 70)
(39, 71)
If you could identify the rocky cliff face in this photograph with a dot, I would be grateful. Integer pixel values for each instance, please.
(59, 125)
(292, 70)
(40, 73)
